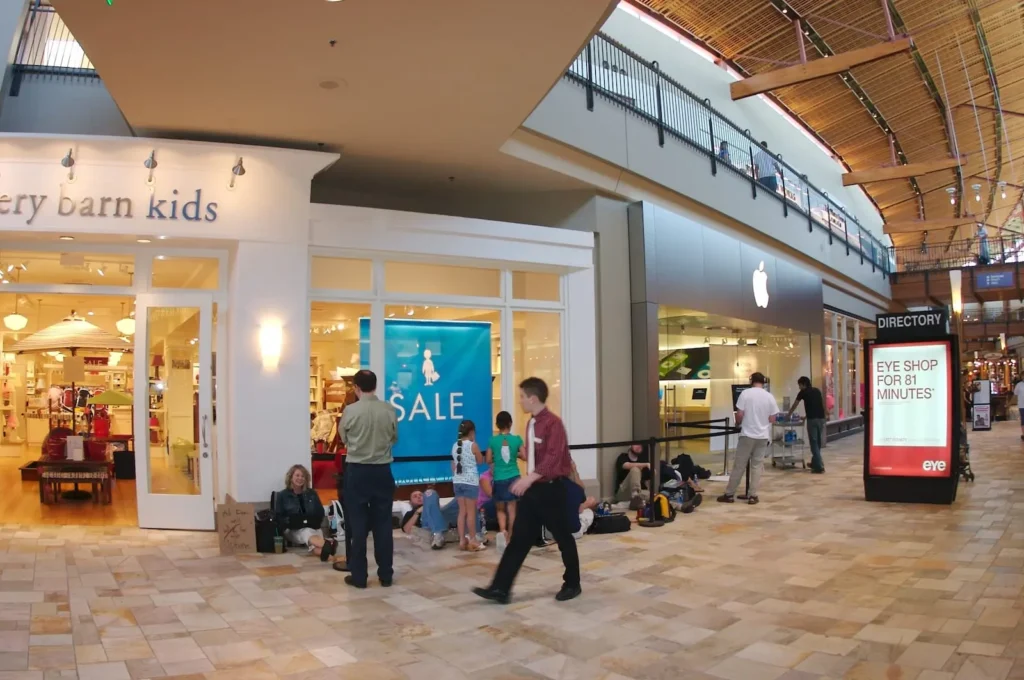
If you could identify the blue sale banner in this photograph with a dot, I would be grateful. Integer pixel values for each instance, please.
(436, 374)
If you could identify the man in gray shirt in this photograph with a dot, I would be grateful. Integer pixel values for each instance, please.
(369, 428)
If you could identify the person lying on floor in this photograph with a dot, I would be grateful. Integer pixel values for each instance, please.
(298, 499)
(428, 513)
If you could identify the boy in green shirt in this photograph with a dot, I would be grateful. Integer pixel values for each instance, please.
(503, 453)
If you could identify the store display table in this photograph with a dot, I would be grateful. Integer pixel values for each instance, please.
(54, 473)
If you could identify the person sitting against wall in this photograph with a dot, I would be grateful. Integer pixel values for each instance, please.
(632, 476)
(299, 499)
(428, 513)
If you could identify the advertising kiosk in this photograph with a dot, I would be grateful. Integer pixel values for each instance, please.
(912, 429)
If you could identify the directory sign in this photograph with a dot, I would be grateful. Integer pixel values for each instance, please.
(910, 398)
(989, 280)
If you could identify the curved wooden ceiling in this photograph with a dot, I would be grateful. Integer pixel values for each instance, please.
(961, 48)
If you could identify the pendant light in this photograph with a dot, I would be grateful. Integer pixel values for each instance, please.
(16, 322)
(125, 325)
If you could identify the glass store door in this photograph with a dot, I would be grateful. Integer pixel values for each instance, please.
(173, 410)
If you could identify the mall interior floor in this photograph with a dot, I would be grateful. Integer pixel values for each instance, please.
(812, 583)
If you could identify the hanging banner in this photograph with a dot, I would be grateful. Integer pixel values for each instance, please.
(911, 409)
(436, 374)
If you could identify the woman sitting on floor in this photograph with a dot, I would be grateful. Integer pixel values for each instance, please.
(299, 500)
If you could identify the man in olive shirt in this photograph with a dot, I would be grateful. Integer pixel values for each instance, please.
(814, 410)
(369, 428)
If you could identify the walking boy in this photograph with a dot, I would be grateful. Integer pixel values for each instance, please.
(543, 494)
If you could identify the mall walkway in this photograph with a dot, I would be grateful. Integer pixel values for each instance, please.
(812, 583)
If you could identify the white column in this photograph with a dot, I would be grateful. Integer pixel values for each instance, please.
(579, 369)
(268, 425)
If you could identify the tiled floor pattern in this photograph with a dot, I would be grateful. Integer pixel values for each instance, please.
(812, 583)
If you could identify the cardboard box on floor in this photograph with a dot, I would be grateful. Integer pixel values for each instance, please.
(236, 527)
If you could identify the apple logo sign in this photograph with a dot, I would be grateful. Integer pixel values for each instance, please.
(761, 286)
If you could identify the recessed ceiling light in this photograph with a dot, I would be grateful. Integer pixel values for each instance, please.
(67, 238)
(162, 238)
(144, 240)
(161, 257)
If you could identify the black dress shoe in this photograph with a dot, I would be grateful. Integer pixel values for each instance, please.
(350, 580)
(386, 582)
(341, 566)
(568, 593)
(817, 471)
(493, 595)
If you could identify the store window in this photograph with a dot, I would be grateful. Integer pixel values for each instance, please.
(536, 286)
(72, 268)
(339, 346)
(439, 363)
(190, 273)
(436, 279)
(338, 273)
(537, 353)
(844, 364)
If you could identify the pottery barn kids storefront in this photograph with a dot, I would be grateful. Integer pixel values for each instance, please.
(186, 310)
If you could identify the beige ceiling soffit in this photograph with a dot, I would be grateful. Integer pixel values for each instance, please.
(819, 68)
(912, 226)
(547, 153)
(900, 171)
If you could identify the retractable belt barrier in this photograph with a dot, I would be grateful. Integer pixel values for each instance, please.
(655, 446)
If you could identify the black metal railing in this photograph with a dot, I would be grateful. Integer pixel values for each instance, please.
(46, 47)
(992, 315)
(614, 72)
(955, 254)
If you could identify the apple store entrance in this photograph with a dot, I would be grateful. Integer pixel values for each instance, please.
(701, 356)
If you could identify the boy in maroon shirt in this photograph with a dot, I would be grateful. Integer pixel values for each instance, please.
(543, 495)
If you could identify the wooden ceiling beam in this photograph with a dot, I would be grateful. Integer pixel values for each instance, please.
(912, 226)
(819, 68)
(900, 171)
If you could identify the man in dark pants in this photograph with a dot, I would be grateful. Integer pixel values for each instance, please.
(369, 429)
(814, 411)
(544, 498)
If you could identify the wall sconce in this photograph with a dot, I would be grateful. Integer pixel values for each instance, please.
(236, 171)
(150, 164)
(69, 162)
(271, 342)
(955, 289)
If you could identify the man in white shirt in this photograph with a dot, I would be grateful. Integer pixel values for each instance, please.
(766, 166)
(1018, 391)
(756, 410)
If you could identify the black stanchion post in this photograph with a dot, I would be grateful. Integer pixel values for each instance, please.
(725, 456)
(654, 460)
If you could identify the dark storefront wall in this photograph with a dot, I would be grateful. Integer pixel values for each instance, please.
(677, 261)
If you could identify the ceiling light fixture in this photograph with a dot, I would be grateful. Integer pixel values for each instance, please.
(15, 321)
(237, 171)
(67, 238)
(952, 195)
(102, 270)
(143, 239)
(1002, 188)
(125, 325)
(977, 192)
(115, 358)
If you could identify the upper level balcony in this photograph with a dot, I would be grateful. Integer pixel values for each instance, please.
(991, 270)
(46, 48)
(627, 113)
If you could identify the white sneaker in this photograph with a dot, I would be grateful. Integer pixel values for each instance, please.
(500, 543)
(482, 539)
(437, 542)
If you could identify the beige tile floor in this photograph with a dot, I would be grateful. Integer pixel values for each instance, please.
(813, 583)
